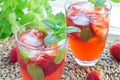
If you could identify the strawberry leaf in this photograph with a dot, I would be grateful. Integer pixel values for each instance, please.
(35, 71)
(60, 56)
(85, 34)
(24, 56)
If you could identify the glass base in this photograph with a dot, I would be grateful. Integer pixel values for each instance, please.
(86, 63)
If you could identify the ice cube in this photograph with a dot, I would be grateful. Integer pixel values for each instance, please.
(85, 6)
(31, 39)
(69, 11)
(35, 54)
(80, 19)
(32, 53)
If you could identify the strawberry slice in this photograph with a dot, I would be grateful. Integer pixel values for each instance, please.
(101, 10)
(99, 26)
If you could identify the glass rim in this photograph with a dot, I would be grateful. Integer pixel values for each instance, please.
(109, 8)
(41, 49)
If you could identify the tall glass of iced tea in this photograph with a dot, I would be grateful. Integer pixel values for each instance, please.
(38, 61)
(92, 18)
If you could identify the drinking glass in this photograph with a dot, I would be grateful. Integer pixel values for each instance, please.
(37, 61)
(93, 22)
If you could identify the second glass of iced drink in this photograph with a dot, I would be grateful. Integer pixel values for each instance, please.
(93, 22)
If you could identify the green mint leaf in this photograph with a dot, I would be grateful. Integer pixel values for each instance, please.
(85, 34)
(60, 56)
(51, 24)
(36, 6)
(116, 1)
(35, 71)
(7, 7)
(12, 19)
(92, 1)
(70, 29)
(1, 1)
(24, 4)
(48, 9)
(19, 13)
(24, 56)
(41, 27)
(52, 38)
(25, 11)
(60, 19)
(5, 28)
(27, 18)
(98, 3)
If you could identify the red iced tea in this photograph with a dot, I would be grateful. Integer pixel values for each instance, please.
(37, 61)
(88, 44)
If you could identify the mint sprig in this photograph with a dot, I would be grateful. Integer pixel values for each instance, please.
(60, 56)
(24, 56)
(53, 38)
(98, 3)
(35, 71)
(50, 24)
(86, 34)
(58, 28)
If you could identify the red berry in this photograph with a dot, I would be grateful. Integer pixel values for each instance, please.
(39, 34)
(115, 50)
(13, 54)
(94, 75)
(99, 26)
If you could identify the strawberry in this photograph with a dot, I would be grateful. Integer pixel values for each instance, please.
(99, 10)
(40, 34)
(99, 26)
(94, 75)
(13, 55)
(75, 35)
(115, 50)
